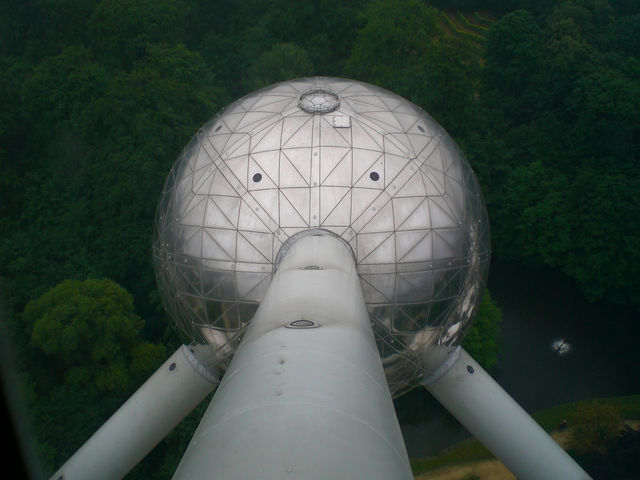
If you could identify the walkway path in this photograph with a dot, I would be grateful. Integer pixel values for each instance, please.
(493, 469)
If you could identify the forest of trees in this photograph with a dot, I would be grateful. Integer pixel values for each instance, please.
(99, 97)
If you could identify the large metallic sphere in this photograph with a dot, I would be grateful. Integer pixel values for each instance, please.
(332, 154)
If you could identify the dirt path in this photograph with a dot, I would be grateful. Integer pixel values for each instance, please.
(453, 16)
(486, 469)
(494, 469)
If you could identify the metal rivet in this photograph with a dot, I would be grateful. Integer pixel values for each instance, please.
(257, 177)
(375, 176)
(470, 369)
(172, 367)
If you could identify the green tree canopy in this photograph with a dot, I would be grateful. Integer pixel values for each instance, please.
(481, 340)
(512, 63)
(283, 61)
(90, 328)
(402, 48)
(99, 97)
(394, 44)
(99, 148)
(86, 355)
(558, 157)
(120, 31)
(595, 426)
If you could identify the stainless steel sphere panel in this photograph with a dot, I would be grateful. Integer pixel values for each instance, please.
(332, 154)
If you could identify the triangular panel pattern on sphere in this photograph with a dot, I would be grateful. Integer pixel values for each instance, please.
(350, 159)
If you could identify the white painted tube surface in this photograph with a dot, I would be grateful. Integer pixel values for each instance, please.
(145, 419)
(494, 418)
(305, 396)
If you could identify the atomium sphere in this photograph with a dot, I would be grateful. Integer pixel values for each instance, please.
(332, 154)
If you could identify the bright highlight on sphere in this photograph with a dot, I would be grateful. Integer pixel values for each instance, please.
(332, 154)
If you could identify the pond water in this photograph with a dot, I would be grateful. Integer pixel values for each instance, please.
(555, 347)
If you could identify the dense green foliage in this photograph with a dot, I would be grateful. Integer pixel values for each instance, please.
(563, 112)
(99, 96)
(86, 345)
(91, 331)
(481, 340)
(402, 47)
(595, 426)
(620, 459)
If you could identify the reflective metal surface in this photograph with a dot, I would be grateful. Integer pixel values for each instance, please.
(339, 155)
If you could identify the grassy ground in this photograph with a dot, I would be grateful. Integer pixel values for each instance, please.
(484, 469)
(470, 460)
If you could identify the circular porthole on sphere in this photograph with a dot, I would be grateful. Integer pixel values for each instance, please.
(257, 177)
(375, 176)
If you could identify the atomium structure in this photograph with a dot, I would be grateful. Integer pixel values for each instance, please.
(319, 241)
(331, 155)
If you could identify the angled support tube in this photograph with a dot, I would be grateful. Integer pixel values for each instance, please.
(173, 391)
(464, 388)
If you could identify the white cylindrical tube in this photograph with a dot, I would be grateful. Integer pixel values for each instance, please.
(175, 389)
(305, 395)
(494, 418)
